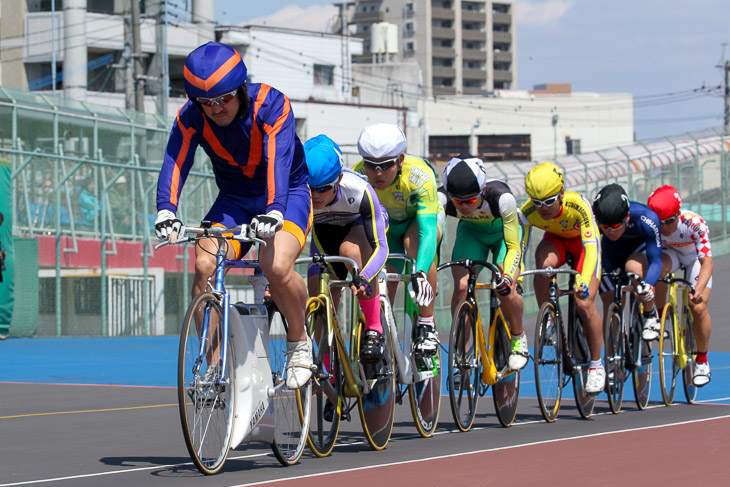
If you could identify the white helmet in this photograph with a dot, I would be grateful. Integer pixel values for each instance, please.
(381, 140)
(464, 175)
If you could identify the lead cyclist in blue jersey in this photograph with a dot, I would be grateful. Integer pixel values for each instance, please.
(247, 131)
(349, 221)
(632, 241)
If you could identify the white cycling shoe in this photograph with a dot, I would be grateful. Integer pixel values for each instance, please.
(298, 363)
(596, 380)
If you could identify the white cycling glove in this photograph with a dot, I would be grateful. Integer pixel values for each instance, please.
(645, 292)
(166, 223)
(265, 226)
(420, 289)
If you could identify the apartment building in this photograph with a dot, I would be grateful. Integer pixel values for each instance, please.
(464, 47)
(91, 43)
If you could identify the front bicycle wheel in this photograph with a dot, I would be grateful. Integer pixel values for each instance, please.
(506, 392)
(548, 362)
(327, 386)
(377, 406)
(668, 367)
(291, 406)
(581, 356)
(639, 357)
(425, 393)
(206, 403)
(463, 373)
(690, 351)
(613, 340)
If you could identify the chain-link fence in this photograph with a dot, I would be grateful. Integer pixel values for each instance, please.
(83, 207)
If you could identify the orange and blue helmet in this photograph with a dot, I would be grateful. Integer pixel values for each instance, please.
(213, 69)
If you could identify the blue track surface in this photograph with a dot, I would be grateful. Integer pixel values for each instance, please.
(152, 361)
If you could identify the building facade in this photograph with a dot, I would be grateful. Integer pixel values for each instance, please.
(91, 44)
(464, 47)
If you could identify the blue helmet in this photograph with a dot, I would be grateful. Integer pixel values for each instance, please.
(324, 160)
(213, 69)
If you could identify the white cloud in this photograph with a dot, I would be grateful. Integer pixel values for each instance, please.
(544, 13)
(316, 18)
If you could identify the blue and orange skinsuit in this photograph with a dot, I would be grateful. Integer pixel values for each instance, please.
(258, 162)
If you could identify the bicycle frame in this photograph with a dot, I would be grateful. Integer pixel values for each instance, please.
(407, 369)
(682, 288)
(354, 372)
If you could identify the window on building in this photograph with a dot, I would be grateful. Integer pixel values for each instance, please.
(510, 147)
(444, 147)
(323, 74)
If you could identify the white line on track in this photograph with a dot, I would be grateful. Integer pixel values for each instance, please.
(322, 474)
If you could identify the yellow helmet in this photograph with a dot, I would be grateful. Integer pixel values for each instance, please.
(544, 180)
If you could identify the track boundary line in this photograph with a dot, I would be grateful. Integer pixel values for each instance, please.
(368, 467)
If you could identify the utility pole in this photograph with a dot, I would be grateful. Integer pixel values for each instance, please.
(725, 66)
(137, 56)
(345, 44)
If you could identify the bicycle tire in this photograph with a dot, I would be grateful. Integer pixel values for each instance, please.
(377, 407)
(424, 396)
(690, 351)
(668, 367)
(581, 355)
(206, 410)
(639, 357)
(327, 383)
(548, 362)
(614, 360)
(506, 392)
(464, 366)
(292, 407)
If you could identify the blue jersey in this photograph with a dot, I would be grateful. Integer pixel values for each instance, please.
(642, 234)
(258, 155)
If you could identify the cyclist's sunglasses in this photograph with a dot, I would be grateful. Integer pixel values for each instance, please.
(218, 100)
(615, 226)
(670, 220)
(382, 165)
(468, 200)
(324, 188)
(546, 202)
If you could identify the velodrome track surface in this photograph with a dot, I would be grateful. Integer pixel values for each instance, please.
(88, 412)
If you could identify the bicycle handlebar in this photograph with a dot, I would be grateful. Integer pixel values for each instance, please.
(549, 271)
(322, 260)
(471, 263)
(672, 280)
(406, 258)
(240, 233)
(619, 273)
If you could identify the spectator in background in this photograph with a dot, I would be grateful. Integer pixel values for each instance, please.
(88, 204)
(119, 202)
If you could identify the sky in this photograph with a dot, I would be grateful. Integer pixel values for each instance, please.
(666, 53)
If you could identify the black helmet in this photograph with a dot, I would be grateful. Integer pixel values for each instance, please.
(611, 205)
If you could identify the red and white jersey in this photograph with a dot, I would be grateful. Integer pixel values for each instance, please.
(692, 235)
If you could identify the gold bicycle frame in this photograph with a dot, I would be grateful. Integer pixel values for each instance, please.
(680, 350)
(486, 348)
(353, 385)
